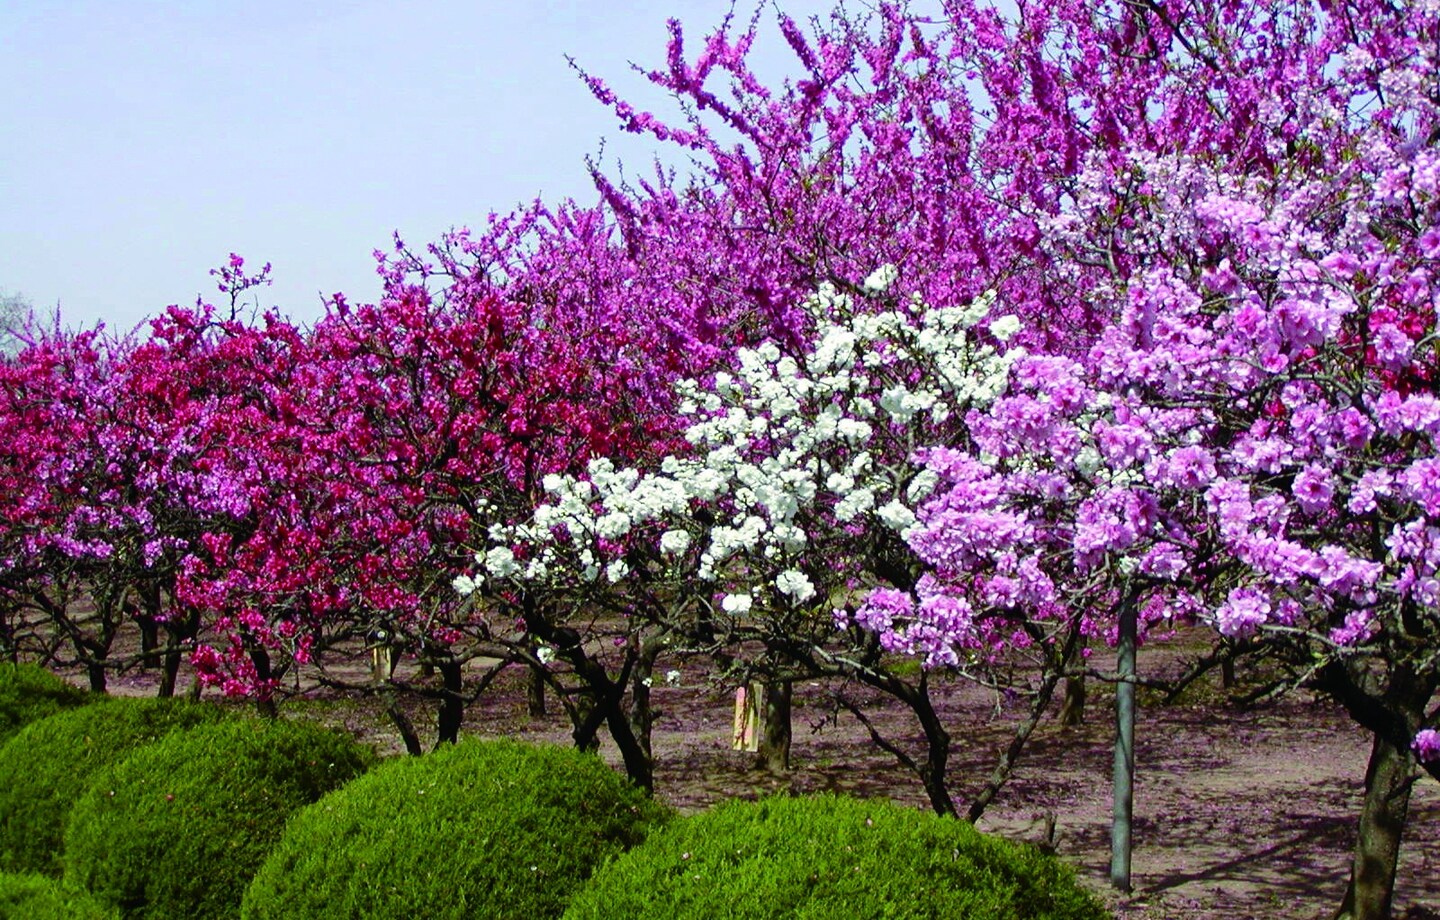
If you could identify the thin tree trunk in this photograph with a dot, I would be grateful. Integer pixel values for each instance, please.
(588, 718)
(933, 772)
(1388, 780)
(1072, 707)
(180, 627)
(149, 640)
(169, 666)
(402, 723)
(1011, 755)
(265, 703)
(1124, 770)
(638, 765)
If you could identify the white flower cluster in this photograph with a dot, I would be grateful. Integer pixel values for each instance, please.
(783, 445)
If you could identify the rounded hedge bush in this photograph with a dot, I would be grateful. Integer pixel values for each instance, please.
(827, 857)
(29, 692)
(35, 897)
(479, 829)
(47, 765)
(179, 828)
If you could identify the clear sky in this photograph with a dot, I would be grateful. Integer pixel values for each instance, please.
(142, 141)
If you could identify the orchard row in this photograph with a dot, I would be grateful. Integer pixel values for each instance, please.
(982, 341)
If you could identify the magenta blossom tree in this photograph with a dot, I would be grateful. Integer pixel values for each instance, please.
(1251, 440)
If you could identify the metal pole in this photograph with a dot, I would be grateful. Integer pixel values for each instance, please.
(1124, 780)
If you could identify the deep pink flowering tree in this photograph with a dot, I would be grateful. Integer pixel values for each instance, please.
(110, 467)
(55, 395)
(392, 437)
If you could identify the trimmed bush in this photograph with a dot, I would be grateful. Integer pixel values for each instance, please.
(179, 828)
(29, 692)
(47, 765)
(35, 897)
(479, 829)
(827, 857)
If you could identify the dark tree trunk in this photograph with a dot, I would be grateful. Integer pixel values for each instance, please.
(452, 702)
(178, 630)
(606, 696)
(94, 650)
(587, 719)
(1011, 755)
(933, 771)
(170, 667)
(149, 640)
(1388, 779)
(1057, 659)
(642, 715)
(1391, 705)
(403, 725)
(638, 765)
(775, 732)
(535, 694)
(265, 702)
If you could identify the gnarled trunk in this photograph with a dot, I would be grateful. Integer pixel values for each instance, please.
(1388, 779)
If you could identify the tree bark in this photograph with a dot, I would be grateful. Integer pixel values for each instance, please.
(179, 629)
(641, 713)
(535, 694)
(1388, 780)
(1011, 755)
(933, 772)
(775, 733)
(1391, 705)
(1072, 707)
(149, 640)
(402, 723)
(265, 703)
(452, 704)
(169, 667)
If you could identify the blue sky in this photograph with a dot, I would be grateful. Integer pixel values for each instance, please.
(145, 141)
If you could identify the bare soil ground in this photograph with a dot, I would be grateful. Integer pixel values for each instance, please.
(1239, 813)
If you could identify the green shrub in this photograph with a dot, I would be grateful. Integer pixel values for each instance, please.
(35, 897)
(48, 764)
(179, 828)
(480, 829)
(827, 857)
(29, 692)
